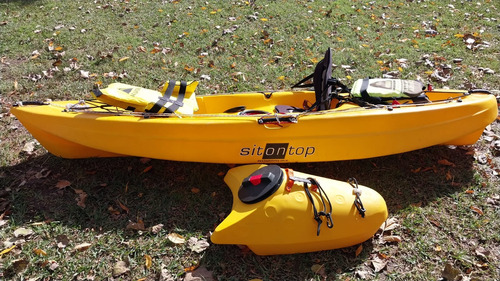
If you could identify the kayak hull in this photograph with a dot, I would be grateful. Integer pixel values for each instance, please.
(284, 222)
(347, 132)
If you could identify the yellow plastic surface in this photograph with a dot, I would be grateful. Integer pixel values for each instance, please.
(284, 222)
(209, 135)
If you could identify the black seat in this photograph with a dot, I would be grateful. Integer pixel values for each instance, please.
(323, 83)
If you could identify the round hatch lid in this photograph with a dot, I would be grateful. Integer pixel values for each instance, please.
(260, 184)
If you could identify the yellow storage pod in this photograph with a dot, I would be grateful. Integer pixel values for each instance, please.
(276, 211)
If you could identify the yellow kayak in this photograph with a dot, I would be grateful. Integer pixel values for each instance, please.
(376, 117)
(246, 128)
(278, 211)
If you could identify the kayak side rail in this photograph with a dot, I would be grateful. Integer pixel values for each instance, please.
(21, 103)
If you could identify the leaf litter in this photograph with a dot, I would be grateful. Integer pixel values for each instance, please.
(175, 238)
(120, 268)
(82, 247)
(197, 245)
(23, 232)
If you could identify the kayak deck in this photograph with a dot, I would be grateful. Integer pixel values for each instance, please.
(245, 128)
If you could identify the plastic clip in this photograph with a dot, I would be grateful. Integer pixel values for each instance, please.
(290, 180)
(357, 200)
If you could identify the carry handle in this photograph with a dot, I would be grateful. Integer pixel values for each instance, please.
(277, 120)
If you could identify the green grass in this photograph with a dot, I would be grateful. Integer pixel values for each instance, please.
(275, 44)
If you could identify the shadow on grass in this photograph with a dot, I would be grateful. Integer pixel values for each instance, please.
(192, 198)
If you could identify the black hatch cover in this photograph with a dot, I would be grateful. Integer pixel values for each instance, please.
(260, 184)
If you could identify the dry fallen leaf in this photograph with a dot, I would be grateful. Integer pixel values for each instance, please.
(44, 173)
(139, 225)
(120, 268)
(176, 238)
(198, 245)
(435, 222)
(389, 224)
(147, 169)
(481, 265)
(449, 176)
(483, 253)
(493, 200)
(29, 147)
(319, 269)
(57, 63)
(155, 50)
(364, 274)
(23, 232)
(149, 261)
(7, 250)
(477, 210)
(378, 263)
(82, 197)
(84, 74)
(392, 238)
(39, 252)
(63, 184)
(123, 207)
(18, 266)
(359, 250)
(450, 272)
(53, 265)
(156, 228)
(417, 204)
(446, 162)
(62, 241)
(200, 273)
(191, 268)
(82, 247)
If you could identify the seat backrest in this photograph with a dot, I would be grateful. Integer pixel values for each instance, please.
(322, 73)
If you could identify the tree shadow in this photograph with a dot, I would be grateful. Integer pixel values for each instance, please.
(192, 197)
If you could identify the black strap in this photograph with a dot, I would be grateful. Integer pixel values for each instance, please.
(364, 89)
(300, 85)
(97, 92)
(337, 84)
(162, 101)
(180, 98)
(364, 93)
(170, 89)
(326, 212)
